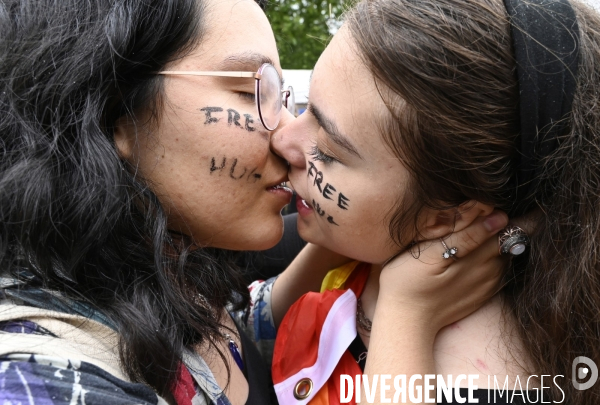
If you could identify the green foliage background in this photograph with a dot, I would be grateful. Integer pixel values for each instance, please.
(302, 28)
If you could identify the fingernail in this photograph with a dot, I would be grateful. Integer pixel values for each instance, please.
(494, 222)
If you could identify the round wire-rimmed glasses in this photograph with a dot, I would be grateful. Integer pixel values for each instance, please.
(267, 90)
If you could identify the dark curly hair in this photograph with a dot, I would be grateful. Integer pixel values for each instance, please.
(74, 215)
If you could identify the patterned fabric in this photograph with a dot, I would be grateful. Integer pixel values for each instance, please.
(257, 320)
(206, 387)
(27, 378)
(44, 380)
(27, 327)
(189, 392)
(39, 379)
(79, 382)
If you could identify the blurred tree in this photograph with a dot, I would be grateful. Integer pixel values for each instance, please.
(303, 27)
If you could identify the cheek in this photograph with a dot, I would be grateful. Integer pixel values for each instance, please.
(225, 142)
(327, 196)
(353, 217)
(237, 158)
(363, 232)
(227, 167)
(200, 163)
(236, 119)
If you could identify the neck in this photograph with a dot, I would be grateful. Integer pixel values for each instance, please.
(482, 343)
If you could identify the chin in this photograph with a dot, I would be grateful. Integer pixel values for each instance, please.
(316, 237)
(265, 235)
(304, 230)
(267, 243)
(257, 234)
(312, 234)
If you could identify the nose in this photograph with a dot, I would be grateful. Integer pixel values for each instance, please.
(287, 140)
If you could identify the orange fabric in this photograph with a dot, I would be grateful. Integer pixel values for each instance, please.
(347, 365)
(298, 336)
(358, 279)
(322, 397)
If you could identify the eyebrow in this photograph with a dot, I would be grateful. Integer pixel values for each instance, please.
(332, 130)
(245, 61)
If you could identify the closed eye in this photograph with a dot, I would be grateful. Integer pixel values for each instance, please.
(251, 97)
(319, 155)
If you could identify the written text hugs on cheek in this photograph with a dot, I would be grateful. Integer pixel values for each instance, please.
(231, 167)
(215, 114)
(329, 192)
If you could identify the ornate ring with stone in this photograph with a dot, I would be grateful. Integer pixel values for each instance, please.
(449, 252)
(512, 240)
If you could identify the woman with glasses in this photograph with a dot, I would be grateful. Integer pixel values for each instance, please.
(134, 159)
(425, 116)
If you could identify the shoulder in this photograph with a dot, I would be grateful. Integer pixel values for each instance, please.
(484, 343)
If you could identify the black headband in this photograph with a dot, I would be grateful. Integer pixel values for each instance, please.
(546, 44)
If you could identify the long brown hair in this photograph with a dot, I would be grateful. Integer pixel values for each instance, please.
(446, 70)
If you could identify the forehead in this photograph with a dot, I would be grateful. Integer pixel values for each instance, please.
(344, 89)
(233, 28)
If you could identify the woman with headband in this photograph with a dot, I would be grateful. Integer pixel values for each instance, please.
(425, 116)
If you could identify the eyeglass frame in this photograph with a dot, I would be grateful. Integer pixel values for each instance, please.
(224, 73)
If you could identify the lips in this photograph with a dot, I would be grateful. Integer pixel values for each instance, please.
(282, 192)
(302, 206)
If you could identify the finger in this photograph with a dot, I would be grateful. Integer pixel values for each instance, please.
(484, 263)
(479, 274)
(473, 236)
(488, 251)
(464, 241)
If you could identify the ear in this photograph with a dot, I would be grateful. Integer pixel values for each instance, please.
(435, 224)
(125, 137)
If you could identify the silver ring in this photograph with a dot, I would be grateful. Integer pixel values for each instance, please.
(512, 240)
(449, 252)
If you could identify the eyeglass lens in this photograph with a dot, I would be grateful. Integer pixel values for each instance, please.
(269, 90)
